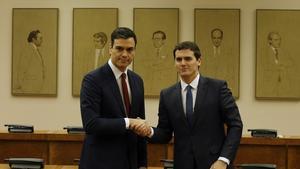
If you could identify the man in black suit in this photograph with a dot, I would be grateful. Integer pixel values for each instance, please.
(111, 98)
(196, 110)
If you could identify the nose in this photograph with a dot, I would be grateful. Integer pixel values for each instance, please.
(125, 53)
(183, 62)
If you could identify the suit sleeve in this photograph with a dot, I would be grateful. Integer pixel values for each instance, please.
(90, 104)
(142, 143)
(163, 131)
(232, 119)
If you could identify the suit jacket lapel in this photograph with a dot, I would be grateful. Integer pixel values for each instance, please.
(134, 95)
(179, 106)
(115, 88)
(200, 97)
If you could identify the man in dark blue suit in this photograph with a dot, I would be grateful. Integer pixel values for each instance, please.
(111, 98)
(196, 110)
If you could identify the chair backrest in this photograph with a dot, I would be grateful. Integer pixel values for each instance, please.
(168, 164)
(256, 166)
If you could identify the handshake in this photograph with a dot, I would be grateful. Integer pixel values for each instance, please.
(140, 127)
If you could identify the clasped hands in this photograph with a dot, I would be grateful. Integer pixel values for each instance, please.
(140, 127)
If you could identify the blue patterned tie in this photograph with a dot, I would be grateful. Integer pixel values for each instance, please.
(189, 104)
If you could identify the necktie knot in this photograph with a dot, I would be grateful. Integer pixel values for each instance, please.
(189, 87)
(123, 75)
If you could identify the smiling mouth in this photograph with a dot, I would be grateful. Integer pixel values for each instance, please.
(123, 60)
(184, 70)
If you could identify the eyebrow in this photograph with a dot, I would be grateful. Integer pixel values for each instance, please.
(128, 49)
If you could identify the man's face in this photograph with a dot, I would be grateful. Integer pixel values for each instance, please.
(216, 38)
(275, 40)
(186, 63)
(122, 53)
(99, 42)
(158, 40)
(38, 40)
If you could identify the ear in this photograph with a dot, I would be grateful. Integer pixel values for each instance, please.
(199, 61)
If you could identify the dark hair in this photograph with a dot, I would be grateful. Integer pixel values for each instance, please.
(122, 33)
(216, 29)
(164, 36)
(32, 34)
(188, 45)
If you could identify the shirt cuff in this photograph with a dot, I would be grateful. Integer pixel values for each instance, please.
(126, 123)
(152, 132)
(224, 160)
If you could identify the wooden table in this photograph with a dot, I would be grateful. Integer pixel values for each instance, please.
(5, 166)
(60, 148)
(284, 152)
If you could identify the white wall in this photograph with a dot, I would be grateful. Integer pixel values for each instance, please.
(47, 113)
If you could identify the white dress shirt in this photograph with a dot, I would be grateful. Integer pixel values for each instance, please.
(118, 74)
(194, 85)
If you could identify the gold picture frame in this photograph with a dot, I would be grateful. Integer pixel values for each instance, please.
(91, 35)
(157, 31)
(34, 51)
(217, 32)
(277, 54)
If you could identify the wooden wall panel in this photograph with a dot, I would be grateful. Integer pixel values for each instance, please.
(62, 152)
(293, 157)
(262, 154)
(34, 149)
(156, 152)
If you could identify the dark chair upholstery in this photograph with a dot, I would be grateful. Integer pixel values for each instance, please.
(256, 166)
(168, 164)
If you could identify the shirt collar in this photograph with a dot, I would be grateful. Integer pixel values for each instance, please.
(115, 70)
(33, 45)
(273, 48)
(194, 83)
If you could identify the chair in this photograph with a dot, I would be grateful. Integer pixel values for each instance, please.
(25, 163)
(256, 166)
(168, 164)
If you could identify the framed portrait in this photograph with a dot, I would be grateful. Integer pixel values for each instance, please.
(91, 33)
(157, 32)
(277, 54)
(217, 32)
(34, 51)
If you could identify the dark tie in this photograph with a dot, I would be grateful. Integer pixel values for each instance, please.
(125, 94)
(189, 104)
